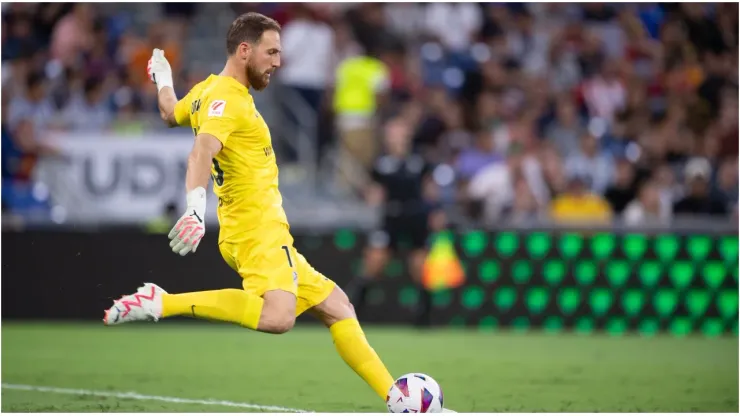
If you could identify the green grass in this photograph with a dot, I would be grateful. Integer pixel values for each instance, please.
(479, 372)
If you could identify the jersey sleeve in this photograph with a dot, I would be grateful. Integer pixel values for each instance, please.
(220, 118)
(182, 111)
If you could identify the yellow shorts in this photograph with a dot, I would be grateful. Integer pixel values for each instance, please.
(266, 260)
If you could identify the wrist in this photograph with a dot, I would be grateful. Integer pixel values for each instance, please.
(196, 199)
(164, 80)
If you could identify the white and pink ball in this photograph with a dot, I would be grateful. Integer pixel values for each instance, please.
(415, 393)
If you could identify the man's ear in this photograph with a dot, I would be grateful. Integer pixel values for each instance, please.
(245, 50)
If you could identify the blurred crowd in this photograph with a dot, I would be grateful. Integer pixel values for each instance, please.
(571, 112)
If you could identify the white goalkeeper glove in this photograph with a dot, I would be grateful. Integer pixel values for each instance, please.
(190, 228)
(159, 70)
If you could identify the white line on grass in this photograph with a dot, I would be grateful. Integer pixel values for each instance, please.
(137, 396)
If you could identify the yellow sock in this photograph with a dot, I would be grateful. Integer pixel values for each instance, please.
(228, 305)
(354, 349)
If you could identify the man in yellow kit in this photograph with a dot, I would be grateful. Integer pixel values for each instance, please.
(233, 145)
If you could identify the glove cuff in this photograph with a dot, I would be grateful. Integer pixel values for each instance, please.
(164, 80)
(196, 200)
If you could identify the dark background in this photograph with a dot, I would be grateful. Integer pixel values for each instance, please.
(76, 275)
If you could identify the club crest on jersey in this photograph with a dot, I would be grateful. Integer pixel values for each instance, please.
(217, 108)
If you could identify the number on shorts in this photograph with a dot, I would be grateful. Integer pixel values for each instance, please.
(287, 253)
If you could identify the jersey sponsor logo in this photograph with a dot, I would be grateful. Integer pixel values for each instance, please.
(217, 108)
(267, 150)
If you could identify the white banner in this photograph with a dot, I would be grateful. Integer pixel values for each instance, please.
(119, 179)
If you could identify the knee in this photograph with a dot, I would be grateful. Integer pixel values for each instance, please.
(278, 313)
(277, 323)
(335, 308)
(283, 325)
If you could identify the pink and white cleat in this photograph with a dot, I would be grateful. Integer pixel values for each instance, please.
(144, 305)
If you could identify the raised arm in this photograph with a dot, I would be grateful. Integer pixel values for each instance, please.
(160, 72)
(167, 101)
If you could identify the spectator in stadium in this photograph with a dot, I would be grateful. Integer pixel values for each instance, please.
(648, 208)
(308, 45)
(591, 163)
(665, 179)
(553, 171)
(488, 111)
(135, 53)
(605, 94)
(703, 33)
(73, 35)
(475, 158)
(578, 205)
(465, 18)
(528, 44)
(622, 191)
(34, 105)
(699, 199)
(20, 36)
(367, 21)
(727, 183)
(90, 110)
(406, 20)
(21, 148)
(99, 62)
(524, 209)
(567, 129)
(442, 134)
(493, 190)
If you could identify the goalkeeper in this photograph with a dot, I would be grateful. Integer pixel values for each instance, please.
(233, 146)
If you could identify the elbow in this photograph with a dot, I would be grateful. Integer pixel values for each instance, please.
(169, 119)
(206, 146)
(199, 153)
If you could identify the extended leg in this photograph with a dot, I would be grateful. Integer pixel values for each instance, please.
(337, 313)
(273, 313)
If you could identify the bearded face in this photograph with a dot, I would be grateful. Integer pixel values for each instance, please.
(259, 80)
(263, 60)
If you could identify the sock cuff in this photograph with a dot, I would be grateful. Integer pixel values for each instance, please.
(252, 313)
(345, 325)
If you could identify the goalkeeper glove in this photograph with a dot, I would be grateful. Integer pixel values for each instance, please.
(159, 70)
(190, 228)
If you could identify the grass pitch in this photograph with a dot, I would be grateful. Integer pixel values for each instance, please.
(479, 372)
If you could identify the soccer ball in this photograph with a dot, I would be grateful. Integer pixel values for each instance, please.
(414, 393)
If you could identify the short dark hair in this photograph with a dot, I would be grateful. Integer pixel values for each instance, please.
(92, 84)
(35, 79)
(249, 27)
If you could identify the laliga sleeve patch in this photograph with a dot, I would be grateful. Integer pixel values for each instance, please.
(217, 108)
